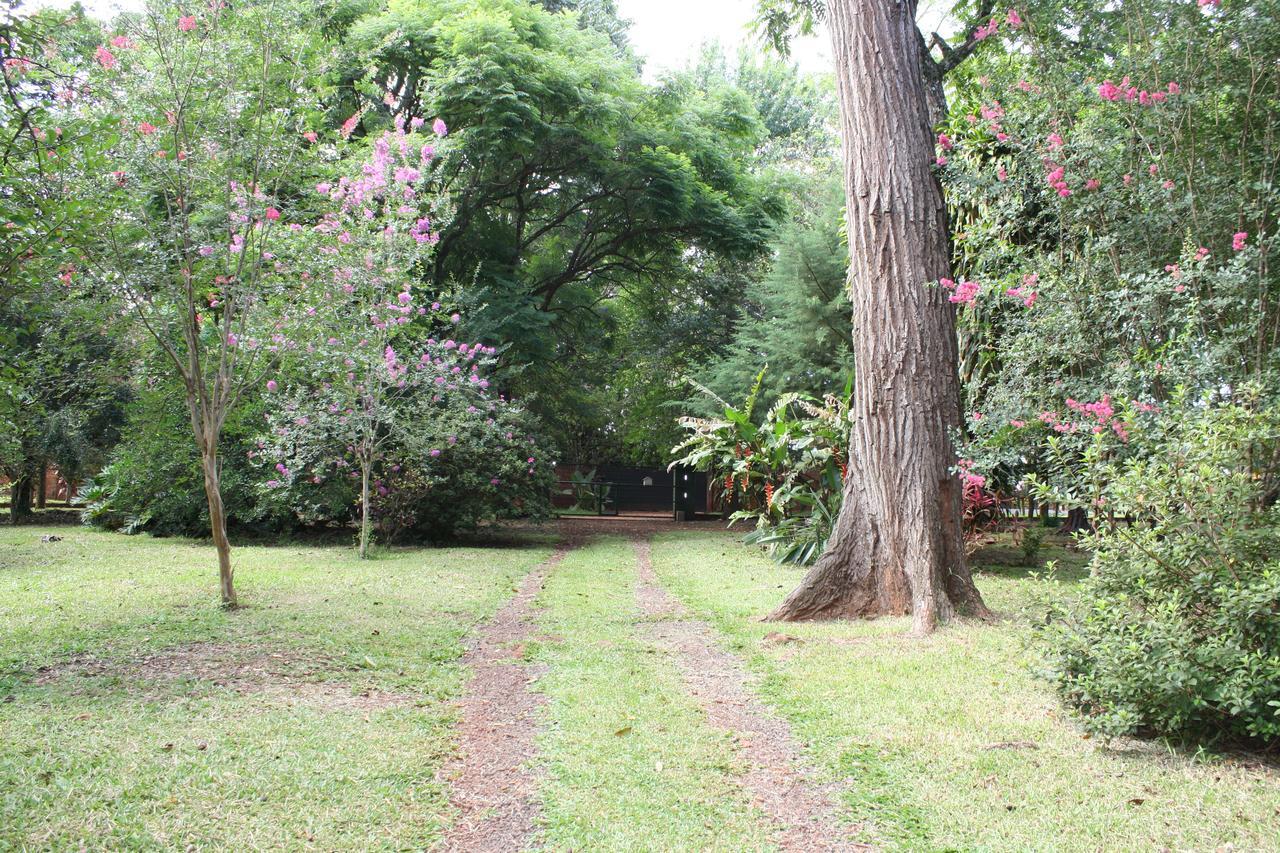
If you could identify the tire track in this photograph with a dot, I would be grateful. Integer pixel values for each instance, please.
(492, 783)
(803, 812)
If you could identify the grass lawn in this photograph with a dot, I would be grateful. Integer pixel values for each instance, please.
(949, 742)
(331, 720)
(630, 762)
(135, 713)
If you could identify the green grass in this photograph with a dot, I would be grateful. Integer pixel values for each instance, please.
(112, 755)
(629, 761)
(909, 725)
(137, 714)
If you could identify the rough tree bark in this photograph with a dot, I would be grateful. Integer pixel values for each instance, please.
(897, 545)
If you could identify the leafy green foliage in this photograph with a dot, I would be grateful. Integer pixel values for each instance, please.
(795, 316)
(153, 482)
(583, 196)
(1177, 630)
(785, 473)
(60, 387)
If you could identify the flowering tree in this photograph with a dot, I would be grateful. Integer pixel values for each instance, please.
(1118, 254)
(210, 132)
(378, 358)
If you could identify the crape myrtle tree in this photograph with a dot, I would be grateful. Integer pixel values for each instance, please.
(365, 372)
(211, 126)
(897, 546)
(1119, 253)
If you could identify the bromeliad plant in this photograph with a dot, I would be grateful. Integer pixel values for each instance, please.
(785, 473)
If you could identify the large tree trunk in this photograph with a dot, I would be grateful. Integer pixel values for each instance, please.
(897, 546)
(20, 497)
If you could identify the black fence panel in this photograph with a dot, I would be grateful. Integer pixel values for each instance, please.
(622, 490)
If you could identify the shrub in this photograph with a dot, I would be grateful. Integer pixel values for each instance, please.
(1030, 538)
(451, 463)
(1177, 631)
(154, 483)
(784, 473)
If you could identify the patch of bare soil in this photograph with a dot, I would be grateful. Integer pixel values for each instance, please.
(492, 785)
(778, 779)
(281, 677)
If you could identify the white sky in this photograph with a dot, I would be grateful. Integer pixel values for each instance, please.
(668, 33)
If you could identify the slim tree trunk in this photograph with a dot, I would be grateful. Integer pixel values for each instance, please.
(42, 492)
(218, 522)
(364, 510)
(897, 546)
(207, 441)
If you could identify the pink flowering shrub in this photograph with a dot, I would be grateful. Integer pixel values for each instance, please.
(1115, 258)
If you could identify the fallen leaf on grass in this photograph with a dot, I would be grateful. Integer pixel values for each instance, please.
(625, 730)
(1013, 744)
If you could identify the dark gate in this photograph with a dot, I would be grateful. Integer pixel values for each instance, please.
(625, 490)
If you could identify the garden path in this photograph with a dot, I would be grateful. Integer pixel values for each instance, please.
(802, 811)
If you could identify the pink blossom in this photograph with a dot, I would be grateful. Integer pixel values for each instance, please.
(323, 189)
(966, 293)
(271, 385)
(1238, 240)
(187, 23)
(105, 57)
(122, 42)
(941, 160)
(1109, 91)
(1092, 184)
(944, 142)
(416, 122)
(987, 31)
(455, 319)
(310, 136)
(1001, 173)
(146, 129)
(1202, 253)
(1168, 185)
(1055, 141)
(1013, 18)
(273, 214)
(439, 127)
(349, 126)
